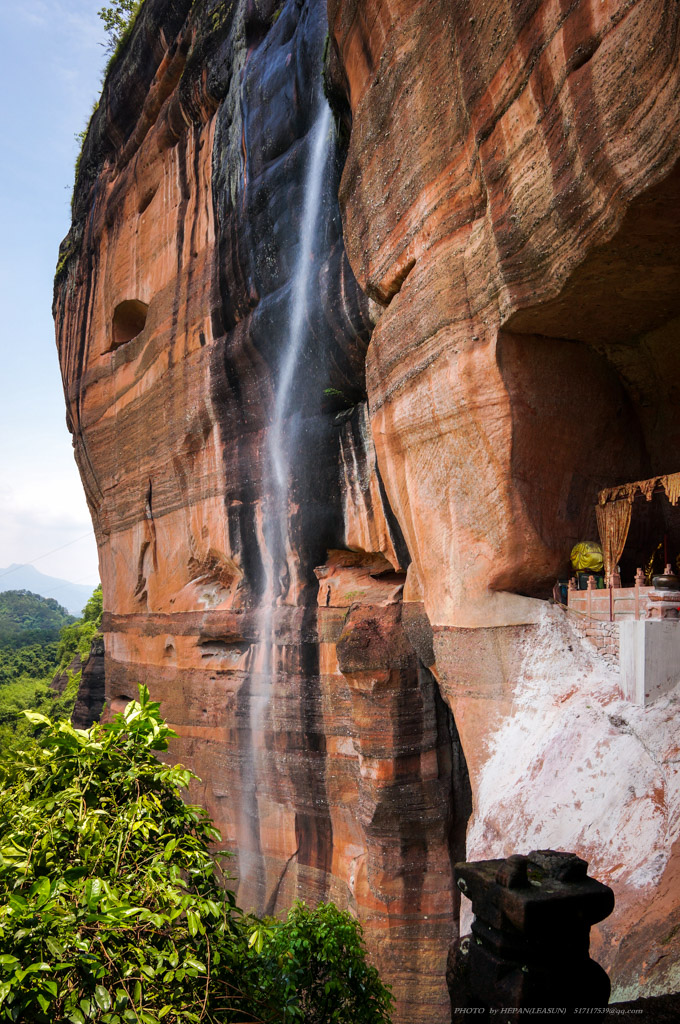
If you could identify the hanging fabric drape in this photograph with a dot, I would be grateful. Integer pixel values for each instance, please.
(671, 485)
(669, 482)
(613, 523)
(614, 510)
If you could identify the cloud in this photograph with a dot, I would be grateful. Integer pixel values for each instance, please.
(57, 548)
(73, 37)
(45, 520)
(36, 12)
(76, 21)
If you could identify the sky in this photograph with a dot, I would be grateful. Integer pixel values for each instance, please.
(50, 76)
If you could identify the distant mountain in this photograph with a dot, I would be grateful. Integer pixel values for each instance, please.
(24, 577)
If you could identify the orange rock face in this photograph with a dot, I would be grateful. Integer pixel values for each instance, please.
(505, 220)
(335, 462)
(510, 202)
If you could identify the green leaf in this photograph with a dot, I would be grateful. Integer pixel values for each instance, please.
(196, 964)
(36, 718)
(76, 1017)
(74, 874)
(93, 891)
(257, 939)
(40, 888)
(103, 998)
(157, 920)
(55, 948)
(34, 968)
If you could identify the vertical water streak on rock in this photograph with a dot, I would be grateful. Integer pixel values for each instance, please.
(275, 540)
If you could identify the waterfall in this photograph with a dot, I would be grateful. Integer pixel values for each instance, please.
(276, 449)
(277, 471)
(276, 476)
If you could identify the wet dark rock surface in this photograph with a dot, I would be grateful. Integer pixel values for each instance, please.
(92, 688)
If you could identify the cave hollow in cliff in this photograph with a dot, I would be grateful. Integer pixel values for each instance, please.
(129, 320)
(593, 377)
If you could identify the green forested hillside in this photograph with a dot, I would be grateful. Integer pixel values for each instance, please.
(30, 627)
(38, 638)
(34, 661)
(27, 619)
(75, 637)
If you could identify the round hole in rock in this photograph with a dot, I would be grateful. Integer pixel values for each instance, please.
(129, 318)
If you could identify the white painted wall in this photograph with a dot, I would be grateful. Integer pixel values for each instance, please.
(649, 659)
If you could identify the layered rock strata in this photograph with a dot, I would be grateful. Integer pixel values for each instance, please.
(324, 543)
(512, 211)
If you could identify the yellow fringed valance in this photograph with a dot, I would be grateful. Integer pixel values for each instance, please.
(670, 482)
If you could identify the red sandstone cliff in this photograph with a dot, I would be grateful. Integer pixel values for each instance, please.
(510, 202)
(509, 205)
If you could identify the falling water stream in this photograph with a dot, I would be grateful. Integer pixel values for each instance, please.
(277, 472)
(275, 504)
(276, 545)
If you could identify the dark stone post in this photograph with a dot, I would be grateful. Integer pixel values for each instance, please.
(530, 938)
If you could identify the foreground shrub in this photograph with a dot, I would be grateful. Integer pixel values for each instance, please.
(113, 909)
(314, 967)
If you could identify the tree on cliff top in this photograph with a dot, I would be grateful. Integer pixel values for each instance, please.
(118, 18)
(111, 907)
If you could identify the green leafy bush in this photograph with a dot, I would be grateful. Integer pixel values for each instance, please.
(113, 909)
(77, 637)
(105, 877)
(313, 968)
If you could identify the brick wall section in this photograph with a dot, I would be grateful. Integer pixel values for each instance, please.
(604, 636)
